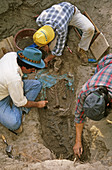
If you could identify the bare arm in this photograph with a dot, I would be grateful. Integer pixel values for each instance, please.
(78, 144)
(39, 104)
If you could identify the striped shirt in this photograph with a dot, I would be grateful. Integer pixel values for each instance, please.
(102, 77)
(58, 17)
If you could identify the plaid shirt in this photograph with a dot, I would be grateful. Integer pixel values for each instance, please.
(102, 77)
(58, 17)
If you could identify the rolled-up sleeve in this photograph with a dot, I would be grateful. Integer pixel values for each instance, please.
(60, 44)
(16, 92)
(79, 113)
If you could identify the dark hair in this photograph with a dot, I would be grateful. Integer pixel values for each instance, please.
(21, 63)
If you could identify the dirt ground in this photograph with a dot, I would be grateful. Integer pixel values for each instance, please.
(49, 134)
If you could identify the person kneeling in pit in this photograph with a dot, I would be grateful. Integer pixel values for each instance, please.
(21, 93)
(94, 97)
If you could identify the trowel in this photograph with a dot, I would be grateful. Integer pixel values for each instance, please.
(9, 148)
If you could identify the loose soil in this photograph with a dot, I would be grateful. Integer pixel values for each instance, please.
(49, 134)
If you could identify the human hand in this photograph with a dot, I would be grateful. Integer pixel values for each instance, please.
(48, 58)
(78, 149)
(42, 104)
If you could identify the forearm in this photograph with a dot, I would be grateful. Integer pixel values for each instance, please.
(39, 104)
(78, 144)
(79, 129)
(30, 104)
(49, 57)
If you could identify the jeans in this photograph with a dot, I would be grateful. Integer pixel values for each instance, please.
(11, 116)
(82, 22)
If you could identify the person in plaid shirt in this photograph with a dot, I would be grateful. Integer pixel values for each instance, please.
(57, 18)
(101, 78)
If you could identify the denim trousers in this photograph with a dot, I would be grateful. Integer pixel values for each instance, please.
(11, 116)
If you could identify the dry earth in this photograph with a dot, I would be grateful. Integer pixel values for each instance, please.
(49, 134)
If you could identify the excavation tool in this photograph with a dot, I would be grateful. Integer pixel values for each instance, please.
(69, 49)
(9, 148)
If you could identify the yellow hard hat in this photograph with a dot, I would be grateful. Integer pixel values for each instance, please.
(43, 36)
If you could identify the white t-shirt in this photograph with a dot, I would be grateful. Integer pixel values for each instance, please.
(11, 79)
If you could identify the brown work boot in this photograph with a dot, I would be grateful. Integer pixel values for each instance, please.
(19, 130)
(83, 56)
